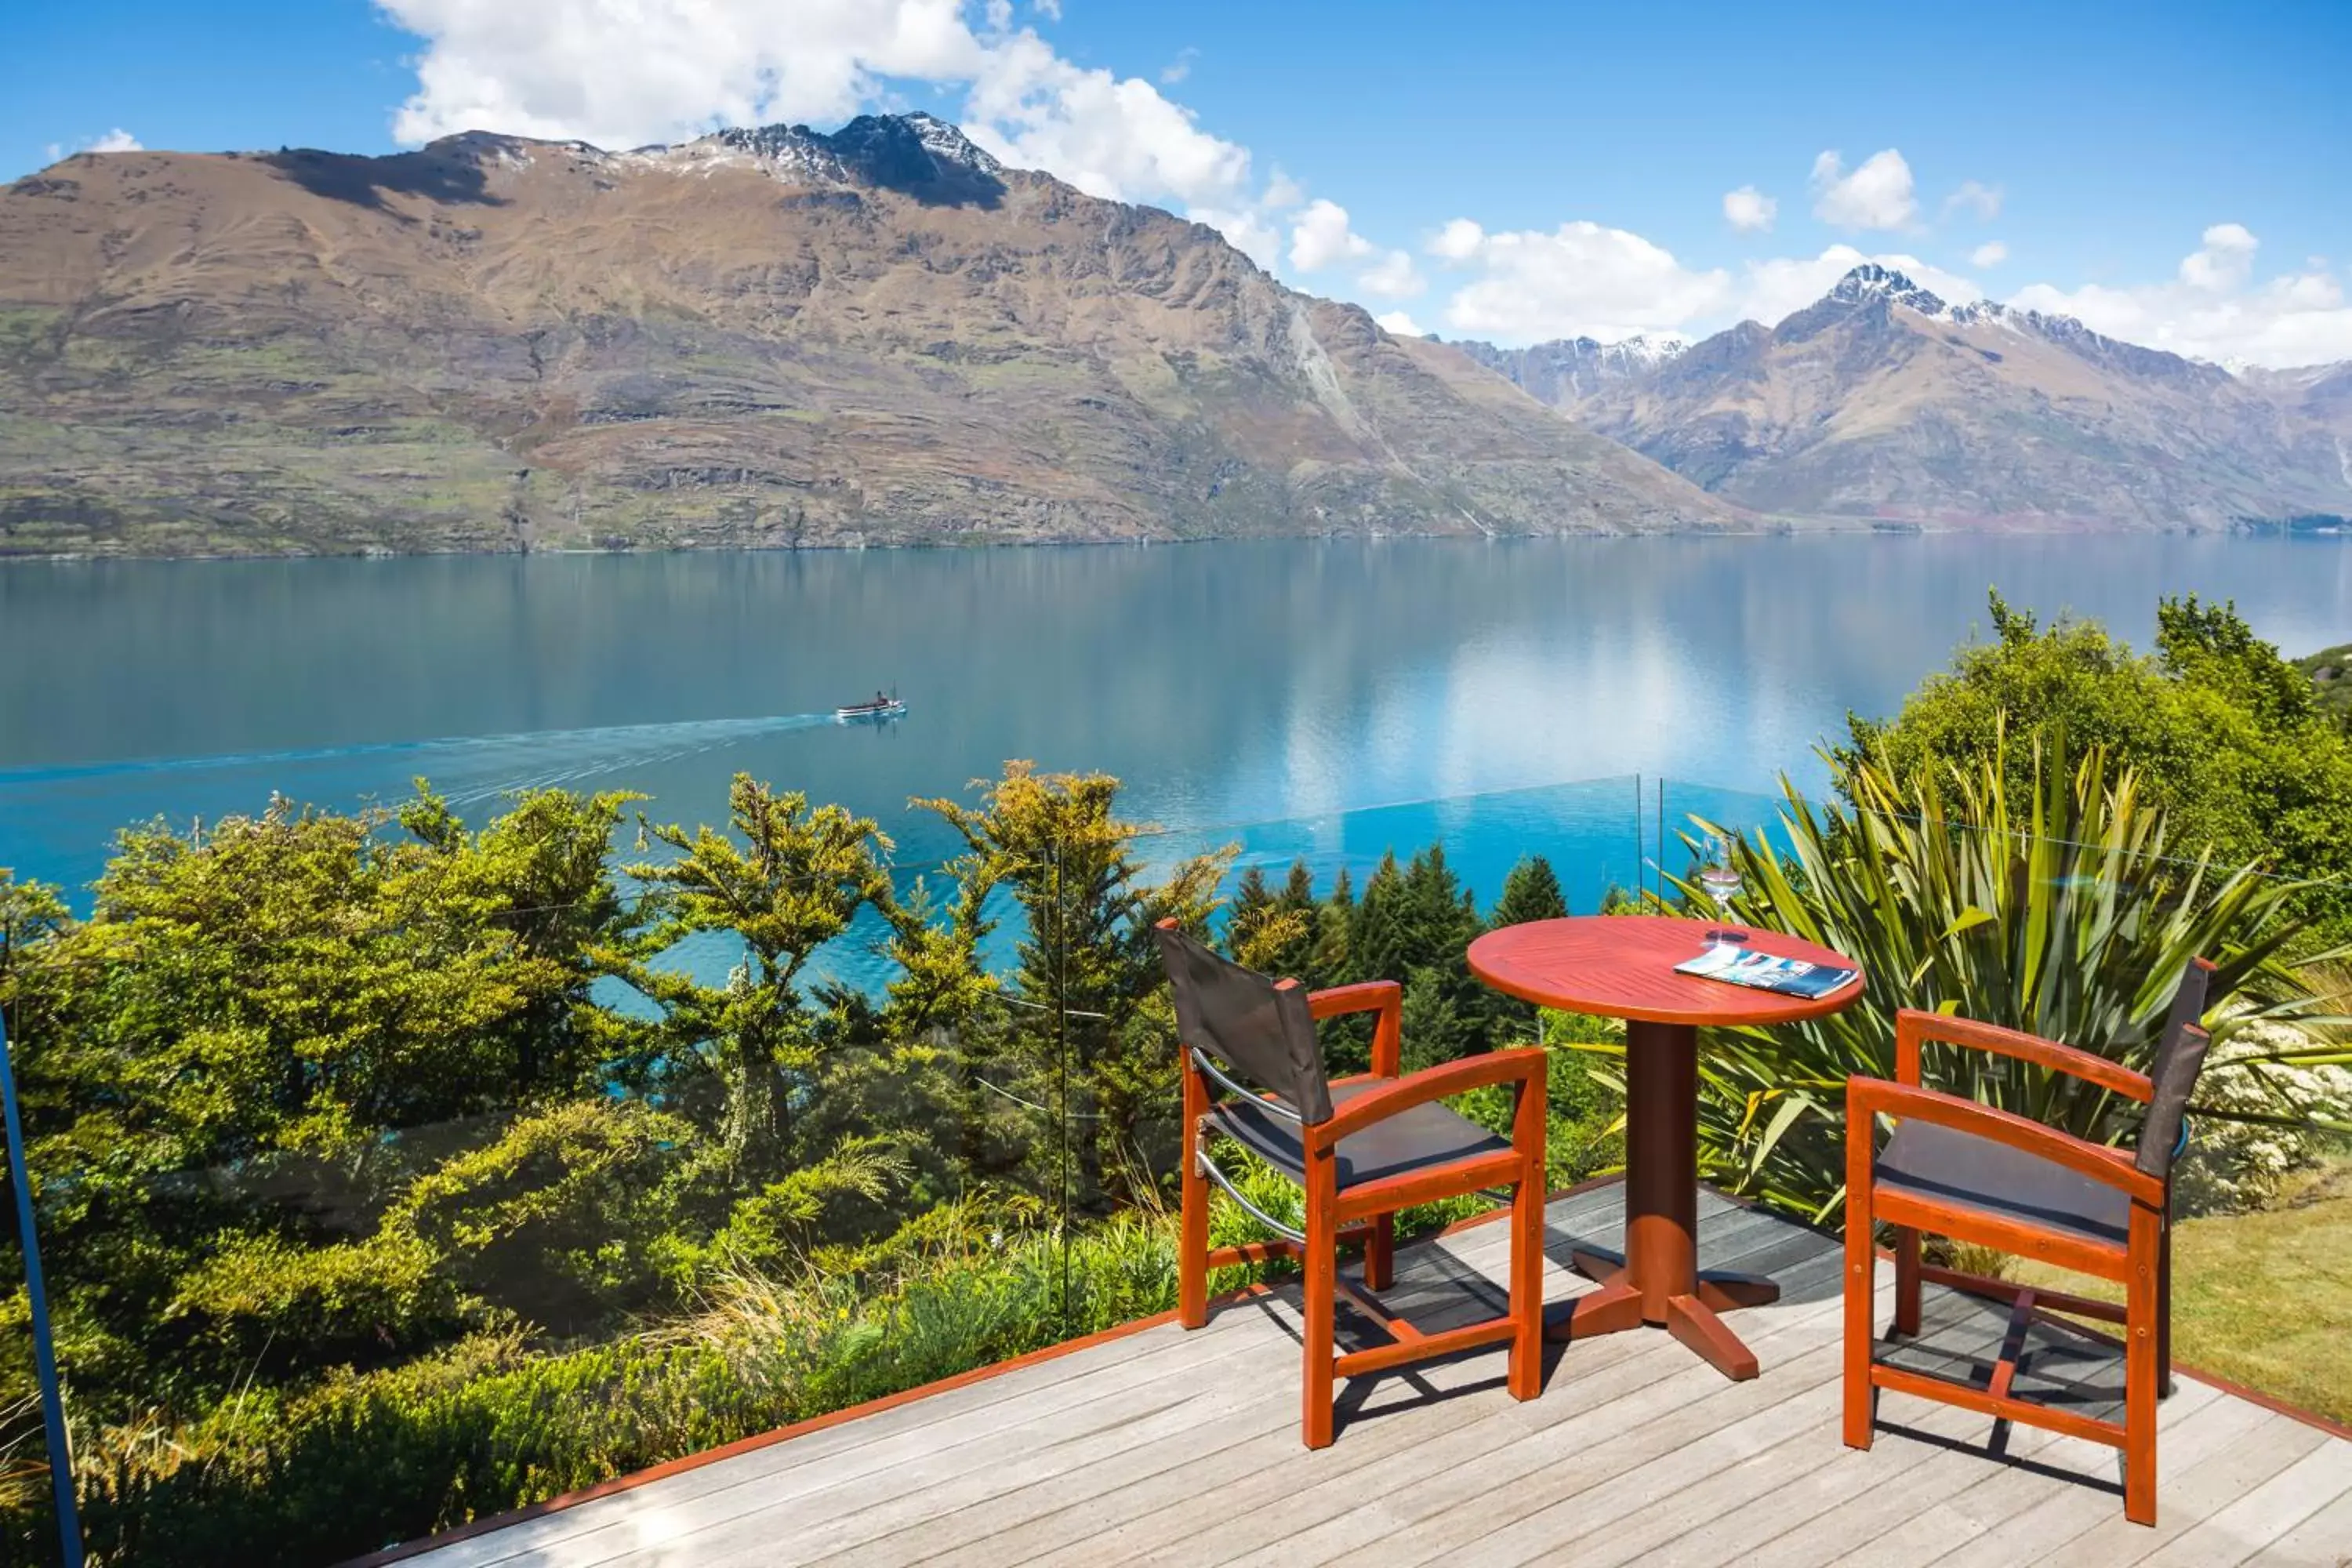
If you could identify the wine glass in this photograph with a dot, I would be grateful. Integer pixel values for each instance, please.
(1718, 878)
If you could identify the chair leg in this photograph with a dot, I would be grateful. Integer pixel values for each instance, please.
(1319, 1262)
(1906, 1279)
(1379, 1253)
(2164, 1311)
(2141, 1329)
(1192, 1235)
(1525, 1375)
(1861, 1283)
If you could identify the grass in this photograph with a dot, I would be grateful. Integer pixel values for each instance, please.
(2262, 1299)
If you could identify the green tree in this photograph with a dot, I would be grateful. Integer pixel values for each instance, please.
(1380, 933)
(1088, 969)
(1532, 892)
(797, 881)
(2223, 735)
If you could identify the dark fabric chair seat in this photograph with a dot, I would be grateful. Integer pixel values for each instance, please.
(1413, 1139)
(1954, 1167)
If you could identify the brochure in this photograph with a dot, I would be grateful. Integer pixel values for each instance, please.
(1763, 972)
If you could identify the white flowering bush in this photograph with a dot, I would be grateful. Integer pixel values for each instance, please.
(2233, 1165)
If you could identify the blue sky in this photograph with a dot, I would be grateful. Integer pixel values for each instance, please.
(2174, 173)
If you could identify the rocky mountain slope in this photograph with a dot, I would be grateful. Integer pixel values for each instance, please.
(760, 337)
(1881, 400)
(1566, 371)
(2320, 392)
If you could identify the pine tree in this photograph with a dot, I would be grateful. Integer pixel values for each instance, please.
(1380, 933)
(1334, 918)
(1532, 892)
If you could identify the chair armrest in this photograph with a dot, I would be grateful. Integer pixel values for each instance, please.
(1385, 998)
(1866, 1098)
(1913, 1028)
(1430, 1083)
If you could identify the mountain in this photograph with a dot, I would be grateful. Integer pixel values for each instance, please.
(1881, 400)
(767, 336)
(2321, 393)
(1566, 371)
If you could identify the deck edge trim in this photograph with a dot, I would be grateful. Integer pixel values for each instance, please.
(492, 1523)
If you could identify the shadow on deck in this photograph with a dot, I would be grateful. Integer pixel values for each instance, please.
(1163, 1447)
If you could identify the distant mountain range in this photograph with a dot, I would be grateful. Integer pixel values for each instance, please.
(759, 337)
(883, 336)
(1566, 371)
(1884, 401)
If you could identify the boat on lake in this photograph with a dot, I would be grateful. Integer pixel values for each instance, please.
(881, 707)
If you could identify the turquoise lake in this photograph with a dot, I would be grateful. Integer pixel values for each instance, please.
(1271, 694)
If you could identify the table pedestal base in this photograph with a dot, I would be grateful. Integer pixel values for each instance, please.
(1658, 1283)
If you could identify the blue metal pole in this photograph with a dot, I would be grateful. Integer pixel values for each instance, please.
(44, 1350)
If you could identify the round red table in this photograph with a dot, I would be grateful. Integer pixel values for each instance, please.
(1622, 966)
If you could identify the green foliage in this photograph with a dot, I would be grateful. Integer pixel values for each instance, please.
(2227, 739)
(1096, 1017)
(2330, 672)
(800, 879)
(2056, 908)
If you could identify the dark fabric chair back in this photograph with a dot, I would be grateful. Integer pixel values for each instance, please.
(1256, 1028)
(2179, 1059)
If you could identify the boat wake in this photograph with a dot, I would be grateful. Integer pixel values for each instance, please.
(468, 769)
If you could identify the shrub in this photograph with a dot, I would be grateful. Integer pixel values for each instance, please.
(2055, 909)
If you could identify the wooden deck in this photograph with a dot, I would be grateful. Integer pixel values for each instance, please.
(1174, 1447)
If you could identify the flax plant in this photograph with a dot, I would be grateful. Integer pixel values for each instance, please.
(2059, 909)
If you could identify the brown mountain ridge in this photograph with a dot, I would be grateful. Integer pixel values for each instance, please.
(1883, 400)
(762, 337)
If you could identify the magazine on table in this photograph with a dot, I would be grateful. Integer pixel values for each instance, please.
(1764, 972)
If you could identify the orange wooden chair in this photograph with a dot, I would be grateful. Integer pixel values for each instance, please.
(1361, 1147)
(1974, 1173)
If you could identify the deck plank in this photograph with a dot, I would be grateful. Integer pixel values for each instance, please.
(2014, 1514)
(1909, 1471)
(2192, 1495)
(1589, 1401)
(1174, 1447)
(2322, 1540)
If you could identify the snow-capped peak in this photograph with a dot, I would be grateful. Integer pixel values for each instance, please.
(1636, 352)
(1871, 281)
(887, 149)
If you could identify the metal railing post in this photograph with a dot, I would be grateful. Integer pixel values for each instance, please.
(44, 1350)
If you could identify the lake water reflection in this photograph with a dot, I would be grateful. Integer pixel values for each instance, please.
(1227, 683)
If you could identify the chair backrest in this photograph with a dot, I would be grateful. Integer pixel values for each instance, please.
(2179, 1059)
(1259, 1030)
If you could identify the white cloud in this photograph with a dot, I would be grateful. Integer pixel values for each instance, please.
(1321, 236)
(1777, 288)
(1991, 253)
(1246, 229)
(1397, 321)
(1579, 280)
(1458, 240)
(2214, 309)
(1394, 277)
(663, 70)
(115, 140)
(1749, 210)
(1878, 194)
(1109, 137)
(1975, 197)
(1179, 67)
(2224, 261)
